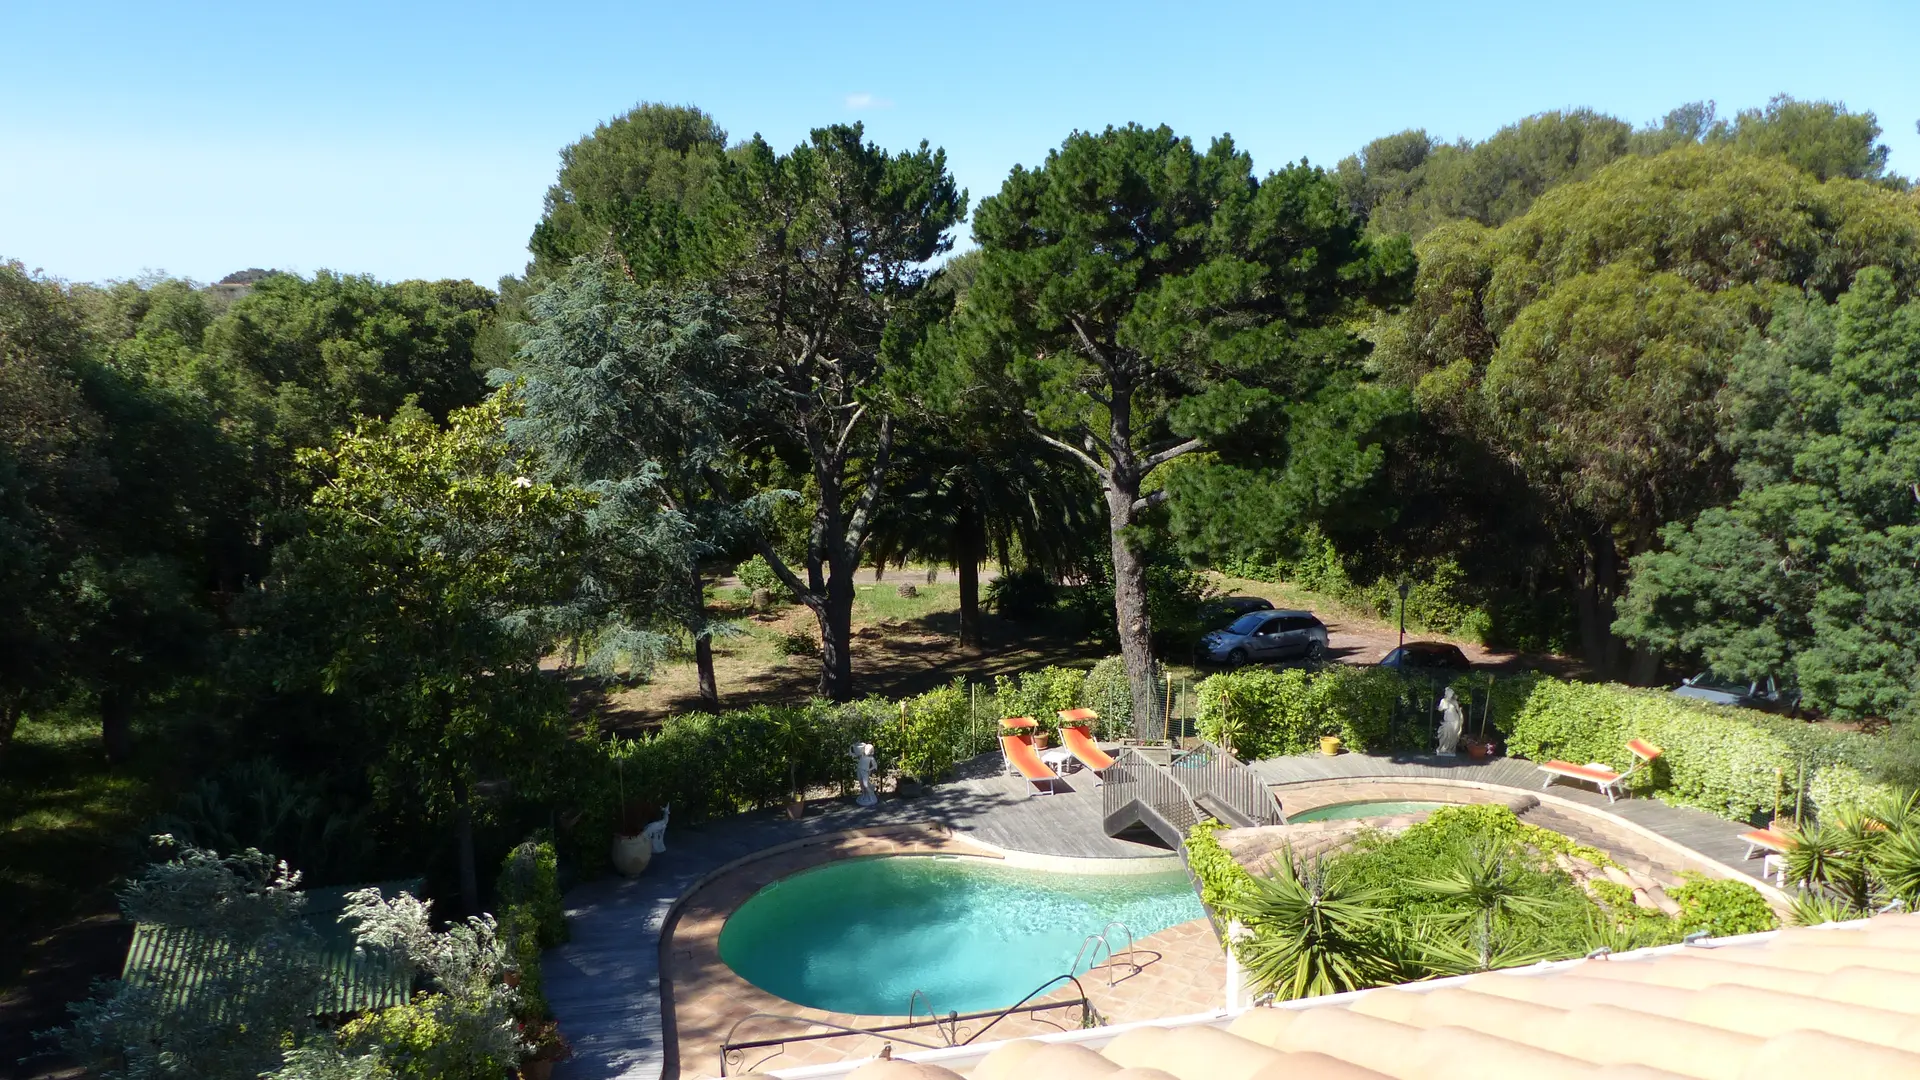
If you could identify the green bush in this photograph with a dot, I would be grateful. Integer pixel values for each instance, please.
(1721, 907)
(530, 880)
(1021, 596)
(933, 733)
(1223, 882)
(1734, 762)
(1107, 692)
(1040, 694)
(1262, 713)
(801, 642)
(756, 573)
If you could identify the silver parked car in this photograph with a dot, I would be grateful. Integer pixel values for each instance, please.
(1267, 635)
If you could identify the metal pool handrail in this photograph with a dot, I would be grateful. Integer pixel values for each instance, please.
(734, 1053)
(1097, 942)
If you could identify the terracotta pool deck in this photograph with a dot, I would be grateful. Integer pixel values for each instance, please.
(605, 984)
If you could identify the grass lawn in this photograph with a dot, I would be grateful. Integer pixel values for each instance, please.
(901, 645)
(69, 827)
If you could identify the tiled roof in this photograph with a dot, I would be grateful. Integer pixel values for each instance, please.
(1825, 1003)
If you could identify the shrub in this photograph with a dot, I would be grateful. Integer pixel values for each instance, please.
(1733, 762)
(1107, 691)
(1721, 907)
(757, 574)
(530, 879)
(933, 732)
(1223, 882)
(1040, 694)
(1263, 713)
(1021, 596)
(801, 642)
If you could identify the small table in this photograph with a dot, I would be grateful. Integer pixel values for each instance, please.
(1060, 760)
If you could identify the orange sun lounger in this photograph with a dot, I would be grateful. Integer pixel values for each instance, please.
(1079, 741)
(1610, 783)
(1023, 759)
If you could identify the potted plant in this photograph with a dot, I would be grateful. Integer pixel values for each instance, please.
(545, 1046)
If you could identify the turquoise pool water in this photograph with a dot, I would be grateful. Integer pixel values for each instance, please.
(1372, 808)
(861, 935)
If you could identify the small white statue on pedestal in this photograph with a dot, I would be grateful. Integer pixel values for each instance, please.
(862, 754)
(1453, 724)
(656, 831)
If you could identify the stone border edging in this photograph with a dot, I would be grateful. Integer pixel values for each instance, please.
(1547, 797)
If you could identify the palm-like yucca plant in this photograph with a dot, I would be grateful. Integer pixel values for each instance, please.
(1836, 856)
(1896, 862)
(1488, 880)
(1313, 933)
(1811, 907)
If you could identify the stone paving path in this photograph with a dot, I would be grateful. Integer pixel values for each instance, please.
(604, 984)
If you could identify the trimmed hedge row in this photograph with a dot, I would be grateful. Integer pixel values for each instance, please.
(1737, 763)
(1264, 713)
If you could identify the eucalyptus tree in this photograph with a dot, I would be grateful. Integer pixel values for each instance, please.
(643, 396)
(1141, 300)
(1585, 343)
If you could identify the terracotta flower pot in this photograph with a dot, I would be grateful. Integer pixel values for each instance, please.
(1479, 749)
(536, 1069)
(631, 854)
(797, 809)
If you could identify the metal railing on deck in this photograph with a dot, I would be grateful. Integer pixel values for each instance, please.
(1211, 775)
(1132, 778)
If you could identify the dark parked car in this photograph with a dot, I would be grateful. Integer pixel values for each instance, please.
(1216, 614)
(1764, 693)
(1427, 656)
(1267, 635)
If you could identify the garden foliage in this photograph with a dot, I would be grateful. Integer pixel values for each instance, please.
(1471, 888)
(1734, 762)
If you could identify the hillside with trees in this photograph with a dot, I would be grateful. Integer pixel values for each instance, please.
(335, 567)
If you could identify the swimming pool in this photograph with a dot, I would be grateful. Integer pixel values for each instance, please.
(1370, 808)
(860, 935)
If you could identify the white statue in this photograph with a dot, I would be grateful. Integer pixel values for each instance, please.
(862, 754)
(1453, 724)
(656, 831)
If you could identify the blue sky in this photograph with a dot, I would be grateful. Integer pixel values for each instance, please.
(416, 140)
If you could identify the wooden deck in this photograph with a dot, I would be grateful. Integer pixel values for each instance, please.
(604, 984)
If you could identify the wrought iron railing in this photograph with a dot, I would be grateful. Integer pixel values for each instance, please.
(949, 1028)
(1217, 780)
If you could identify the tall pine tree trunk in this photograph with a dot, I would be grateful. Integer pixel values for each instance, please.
(1130, 599)
(703, 650)
(835, 616)
(967, 545)
(116, 724)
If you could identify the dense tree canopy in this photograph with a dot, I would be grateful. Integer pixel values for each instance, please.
(1813, 570)
(1140, 300)
(1585, 341)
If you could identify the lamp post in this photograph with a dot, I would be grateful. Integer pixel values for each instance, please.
(1404, 589)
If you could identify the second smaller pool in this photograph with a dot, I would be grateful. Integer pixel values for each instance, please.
(1372, 808)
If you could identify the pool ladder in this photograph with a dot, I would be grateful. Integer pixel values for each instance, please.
(1090, 950)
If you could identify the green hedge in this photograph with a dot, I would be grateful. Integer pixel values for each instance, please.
(1734, 762)
(1222, 880)
(1040, 694)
